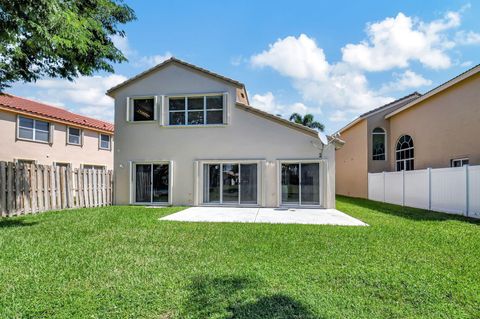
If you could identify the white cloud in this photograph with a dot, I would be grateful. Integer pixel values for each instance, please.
(122, 44)
(467, 38)
(299, 58)
(405, 80)
(395, 42)
(85, 95)
(338, 116)
(268, 103)
(152, 60)
(339, 85)
(135, 58)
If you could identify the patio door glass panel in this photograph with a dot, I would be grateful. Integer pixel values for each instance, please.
(143, 177)
(211, 183)
(230, 183)
(160, 183)
(151, 183)
(290, 183)
(248, 183)
(310, 181)
(300, 183)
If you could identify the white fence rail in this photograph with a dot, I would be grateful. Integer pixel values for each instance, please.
(454, 190)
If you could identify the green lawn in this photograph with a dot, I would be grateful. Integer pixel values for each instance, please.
(122, 262)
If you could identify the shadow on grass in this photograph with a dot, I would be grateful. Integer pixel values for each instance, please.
(5, 222)
(411, 213)
(239, 298)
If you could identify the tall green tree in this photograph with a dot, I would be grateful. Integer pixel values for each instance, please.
(59, 38)
(307, 120)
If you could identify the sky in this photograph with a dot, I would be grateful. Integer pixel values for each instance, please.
(334, 59)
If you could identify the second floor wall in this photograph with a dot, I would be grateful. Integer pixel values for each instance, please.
(52, 146)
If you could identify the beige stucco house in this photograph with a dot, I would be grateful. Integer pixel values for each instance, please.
(440, 128)
(34, 132)
(188, 136)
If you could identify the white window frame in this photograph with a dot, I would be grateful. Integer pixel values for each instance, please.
(60, 164)
(100, 142)
(80, 136)
(461, 160)
(19, 160)
(104, 167)
(130, 110)
(384, 133)
(322, 182)
(133, 183)
(260, 182)
(224, 109)
(403, 150)
(50, 130)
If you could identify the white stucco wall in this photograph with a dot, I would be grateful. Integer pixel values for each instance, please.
(246, 136)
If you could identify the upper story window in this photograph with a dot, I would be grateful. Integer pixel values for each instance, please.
(33, 130)
(143, 109)
(196, 110)
(404, 153)
(104, 142)
(378, 144)
(74, 136)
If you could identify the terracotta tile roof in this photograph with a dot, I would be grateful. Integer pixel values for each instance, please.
(55, 113)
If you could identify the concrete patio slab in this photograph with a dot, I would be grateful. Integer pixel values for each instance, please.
(265, 215)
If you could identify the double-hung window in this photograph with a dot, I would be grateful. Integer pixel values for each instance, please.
(104, 141)
(33, 130)
(74, 136)
(196, 110)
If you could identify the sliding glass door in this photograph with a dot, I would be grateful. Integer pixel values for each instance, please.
(300, 184)
(151, 183)
(230, 183)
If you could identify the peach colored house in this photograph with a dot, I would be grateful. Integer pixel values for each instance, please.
(438, 129)
(33, 132)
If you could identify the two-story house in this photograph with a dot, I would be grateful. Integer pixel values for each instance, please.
(188, 136)
(440, 128)
(34, 132)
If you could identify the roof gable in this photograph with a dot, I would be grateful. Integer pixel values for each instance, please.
(459, 78)
(403, 100)
(178, 62)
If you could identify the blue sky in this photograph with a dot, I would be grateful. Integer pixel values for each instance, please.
(335, 59)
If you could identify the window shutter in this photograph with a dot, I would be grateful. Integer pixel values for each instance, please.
(155, 108)
(161, 110)
(128, 115)
(81, 137)
(166, 114)
(51, 129)
(226, 109)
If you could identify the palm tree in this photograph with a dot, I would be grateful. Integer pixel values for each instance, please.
(307, 120)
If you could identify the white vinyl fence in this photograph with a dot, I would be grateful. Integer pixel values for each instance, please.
(454, 190)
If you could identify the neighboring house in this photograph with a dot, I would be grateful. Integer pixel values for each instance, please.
(438, 129)
(187, 136)
(34, 132)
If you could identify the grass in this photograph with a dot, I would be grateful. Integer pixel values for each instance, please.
(121, 262)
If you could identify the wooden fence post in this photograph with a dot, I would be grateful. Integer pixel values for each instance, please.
(3, 192)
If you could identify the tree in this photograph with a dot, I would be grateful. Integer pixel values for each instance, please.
(307, 120)
(59, 38)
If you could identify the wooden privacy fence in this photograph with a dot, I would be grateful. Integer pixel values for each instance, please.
(30, 189)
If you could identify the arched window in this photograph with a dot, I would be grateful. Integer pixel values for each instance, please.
(378, 144)
(404, 153)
